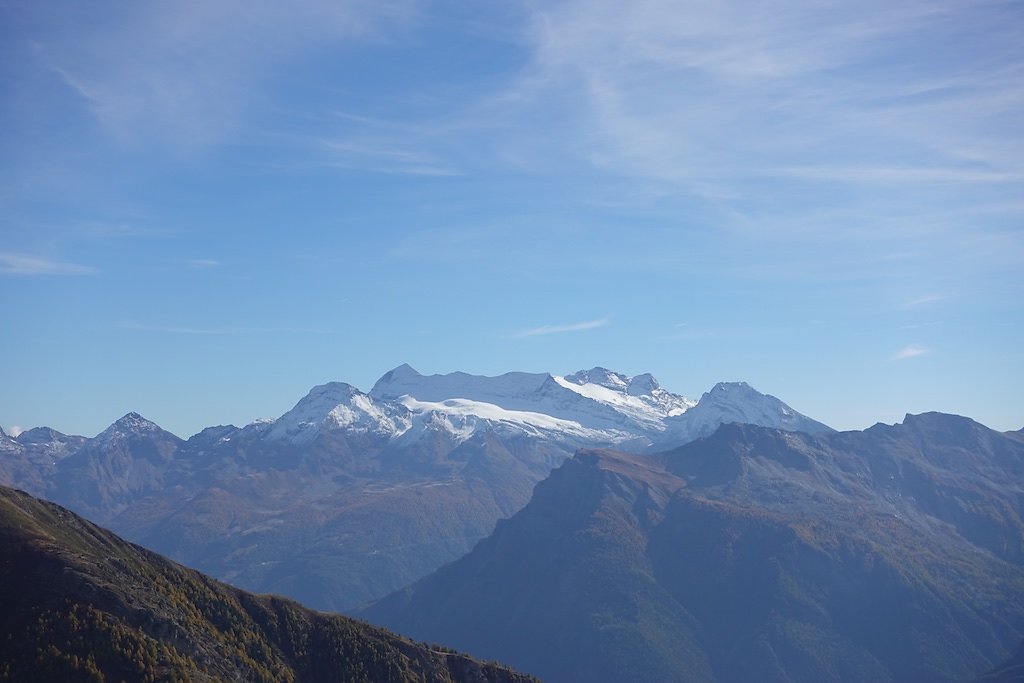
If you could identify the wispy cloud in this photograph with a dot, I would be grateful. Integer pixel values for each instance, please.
(734, 104)
(383, 155)
(174, 329)
(112, 230)
(911, 351)
(559, 329)
(14, 430)
(203, 263)
(918, 326)
(907, 175)
(197, 64)
(23, 264)
(922, 300)
(222, 330)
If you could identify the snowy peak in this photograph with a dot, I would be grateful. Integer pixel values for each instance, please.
(609, 405)
(9, 444)
(724, 388)
(643, 385)
(595, 407)
(49, 441)
(640, 399)
(460, 404)
(331, 393)
(133, 422)
(131, 426)
(601, 377)
(404, 381)
(403, 373)
(335, 406)
(740, 396)
(737, 402)
(39, 435)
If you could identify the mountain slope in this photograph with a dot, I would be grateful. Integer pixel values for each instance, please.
(753, 554)
(80, 603)
(30, 460)
(124, 462)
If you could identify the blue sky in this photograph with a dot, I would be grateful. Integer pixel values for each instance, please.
(207, 207)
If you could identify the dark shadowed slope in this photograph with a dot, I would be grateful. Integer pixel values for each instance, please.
(891, 554)
(79, 602)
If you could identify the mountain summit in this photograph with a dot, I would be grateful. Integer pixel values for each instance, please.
(605, 407)
(735, 402)
(336, 406)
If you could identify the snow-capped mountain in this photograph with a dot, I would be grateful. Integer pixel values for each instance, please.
(735, 402)
(589, 407)
(352, 494)
(597, 405)
(130, 426)
(640, 397)
(337, 406)
(7, 443)
(592, 407)
(408, 405)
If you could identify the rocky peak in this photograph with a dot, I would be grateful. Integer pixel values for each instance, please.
(601, 377)
(643, 385)
(402, 372)
(336, 405)
(130, 426)
(39, 435)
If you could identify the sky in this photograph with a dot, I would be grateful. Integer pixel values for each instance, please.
(207, 207)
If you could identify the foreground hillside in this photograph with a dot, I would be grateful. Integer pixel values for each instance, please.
(80, 604)
(892, 554)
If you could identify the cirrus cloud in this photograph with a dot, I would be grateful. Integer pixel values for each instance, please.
(910, 351)
(559, 329)
(24, 264)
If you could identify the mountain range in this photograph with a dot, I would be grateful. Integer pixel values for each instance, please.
(890, 554)
(80, 604)
(725, 539)
(351, 495)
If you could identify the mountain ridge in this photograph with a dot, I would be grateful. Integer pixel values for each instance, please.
(347, 497)
(751, 554)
